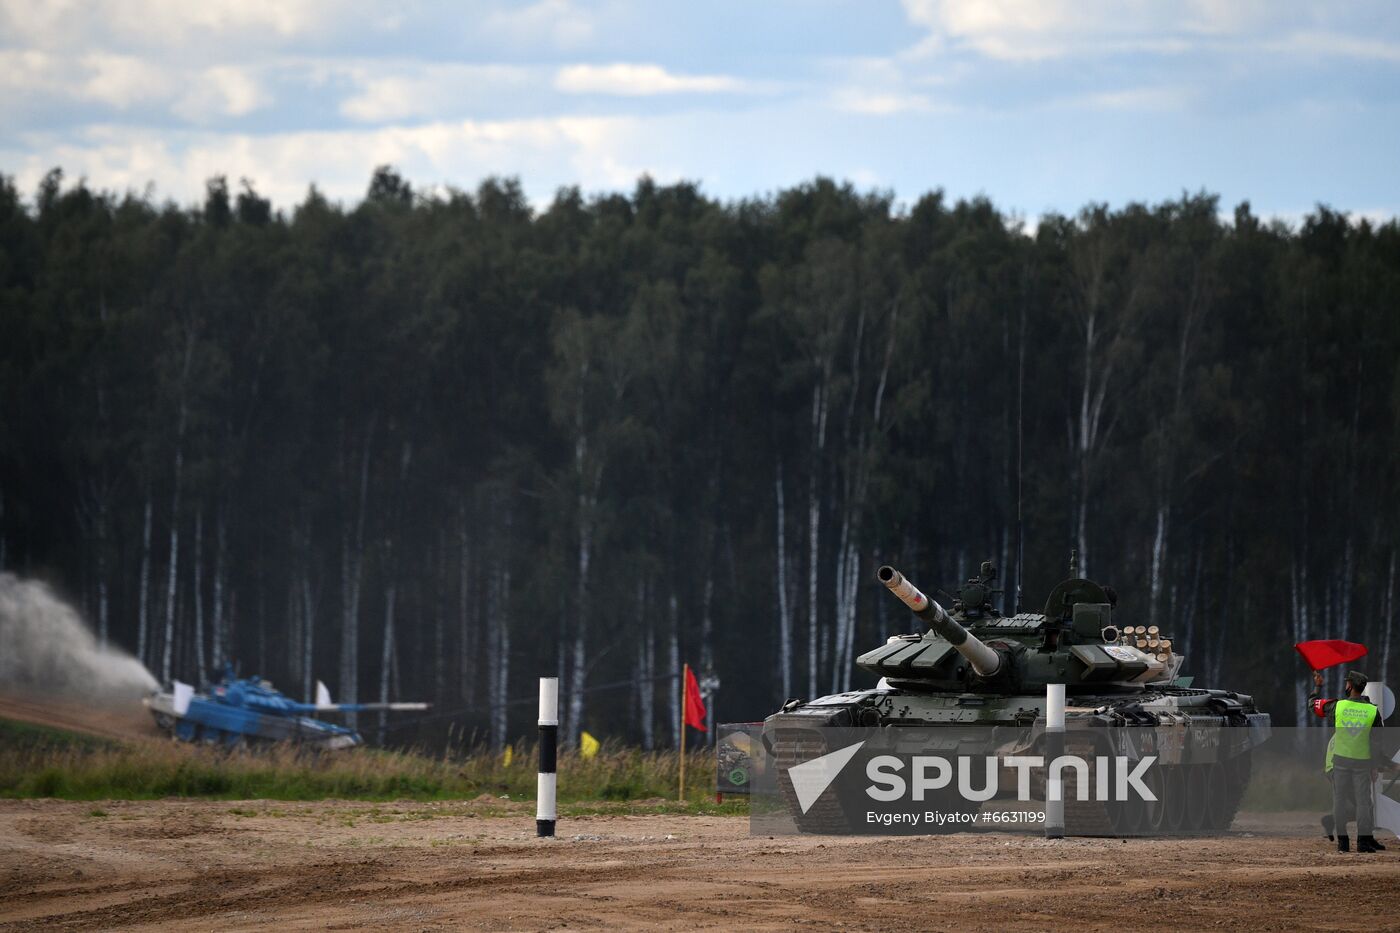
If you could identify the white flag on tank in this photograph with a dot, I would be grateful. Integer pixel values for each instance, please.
(183, 694)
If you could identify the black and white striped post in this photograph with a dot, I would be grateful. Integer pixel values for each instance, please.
(1054, 748)
(547, 785)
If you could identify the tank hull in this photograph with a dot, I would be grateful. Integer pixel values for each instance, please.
(1203, 739)
(211, 722)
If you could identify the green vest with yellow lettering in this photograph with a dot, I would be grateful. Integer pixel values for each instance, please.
(1353, 735)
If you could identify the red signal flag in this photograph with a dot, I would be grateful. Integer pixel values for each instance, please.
(1329, 652)
(694, 703)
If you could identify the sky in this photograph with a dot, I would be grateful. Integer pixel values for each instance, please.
(1041, 105)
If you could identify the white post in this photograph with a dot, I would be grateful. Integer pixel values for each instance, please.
(1380, 695)
(547, 782)
(1054, 748)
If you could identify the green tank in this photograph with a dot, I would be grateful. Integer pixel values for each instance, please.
(974, 666)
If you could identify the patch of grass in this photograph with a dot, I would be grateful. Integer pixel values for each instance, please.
(151, 769)
(97, 812)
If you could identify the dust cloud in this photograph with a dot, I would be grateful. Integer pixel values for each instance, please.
(46, 648)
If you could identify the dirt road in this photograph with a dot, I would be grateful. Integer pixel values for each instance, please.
(241, 865)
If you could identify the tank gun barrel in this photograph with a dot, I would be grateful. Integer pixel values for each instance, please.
(984, 660)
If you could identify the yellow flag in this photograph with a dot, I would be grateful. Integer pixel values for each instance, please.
(507, 756)
(587, 746)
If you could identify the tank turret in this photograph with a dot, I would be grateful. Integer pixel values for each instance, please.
(973, 647)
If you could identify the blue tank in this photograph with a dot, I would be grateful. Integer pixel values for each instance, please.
(237, 710)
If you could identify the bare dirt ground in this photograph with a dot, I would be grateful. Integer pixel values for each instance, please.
(418, 866)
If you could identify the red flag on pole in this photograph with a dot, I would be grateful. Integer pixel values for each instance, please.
(1329, 652)
(694, 703)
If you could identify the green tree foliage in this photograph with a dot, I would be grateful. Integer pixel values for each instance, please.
(433, 445)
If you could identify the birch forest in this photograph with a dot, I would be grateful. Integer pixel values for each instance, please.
(434, 444)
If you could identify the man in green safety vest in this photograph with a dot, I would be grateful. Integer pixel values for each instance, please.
(1351, 759)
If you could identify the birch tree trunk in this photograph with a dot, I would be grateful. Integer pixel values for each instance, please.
(589, 477)
(841, 577)
(819, 409)
(219, 640)
(499, 722)
(579, 655)
(1298, 579)
(103, 596)
(386, 657)
(308, 615)
(440, 622)
(647, 700)
(352, 566)
(1159, 550)
(173, 578)
(784, 604)
(1388, 616)
(674, 657)
(198, 587)
(144, 586)
(707, 622)
(1083, 449)
(466, 632)
(498, 634)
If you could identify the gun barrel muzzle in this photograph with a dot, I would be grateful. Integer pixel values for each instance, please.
(985, 661)
(907, 592)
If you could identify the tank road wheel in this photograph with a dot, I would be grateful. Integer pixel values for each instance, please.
(1197, 799)
(1219, 814)
(1173, 799)
(1154, 811)
(166, 723)
(1235, 773)
(1127, 817)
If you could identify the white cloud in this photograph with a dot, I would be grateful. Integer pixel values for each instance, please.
(877, 103)
(1137, 99)
(25, 72)
(592, 152)
(395, 92)
(558, 22)
(35, 78)
(55, 24)
(1033, 30)
(1030, 30)
(221, 91)
(122, 81)
(1333, 44)
(882, 86)
(637, 81)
